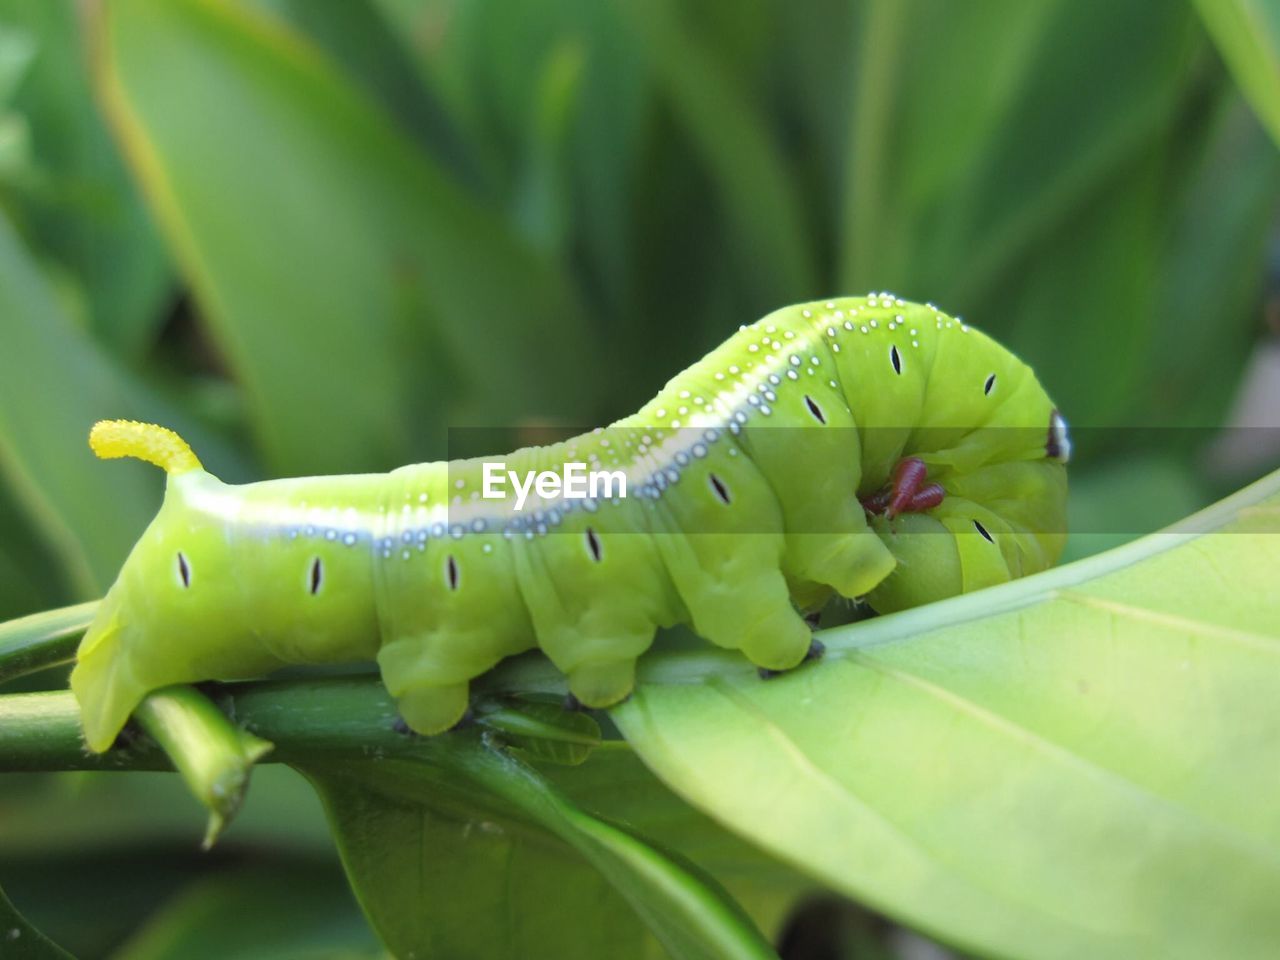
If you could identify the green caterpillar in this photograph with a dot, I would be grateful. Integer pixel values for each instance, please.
(866, 447)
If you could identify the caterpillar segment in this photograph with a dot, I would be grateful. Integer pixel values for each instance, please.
(863, 447)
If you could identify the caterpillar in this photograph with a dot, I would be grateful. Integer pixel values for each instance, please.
(866, 447)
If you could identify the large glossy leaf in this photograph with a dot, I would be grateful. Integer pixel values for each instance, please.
(455, 852)
(1082, 763)
(1247, 33)
(360, 295)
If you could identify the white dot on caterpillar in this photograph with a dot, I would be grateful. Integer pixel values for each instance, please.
(487, 548)
(873, 323)
(832, 384)
(349, 539)
(795, 361)
(684, 394)
(848, 324)
(831, 331)
(915, 343)
(752, 347)
(790, 334)
(814, 360)
(734, 369)
(675, 424)
(459, 483)
(682, 411)
(719, 376)
(770, 329)
(805, 313)
(864, 328)
(792, 375)
(835, 348)
(661, 412)
(830, 305)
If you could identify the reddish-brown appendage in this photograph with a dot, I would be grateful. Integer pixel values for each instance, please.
(907, 493)
(908, 477)
(926, 498)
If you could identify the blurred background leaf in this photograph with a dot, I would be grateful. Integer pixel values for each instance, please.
(1248, 34)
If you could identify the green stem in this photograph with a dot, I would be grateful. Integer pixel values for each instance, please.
(43, 639)
(214, 756)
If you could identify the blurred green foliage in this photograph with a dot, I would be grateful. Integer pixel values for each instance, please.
(313, 235)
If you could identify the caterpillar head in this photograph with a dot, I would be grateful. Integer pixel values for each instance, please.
(154, 627)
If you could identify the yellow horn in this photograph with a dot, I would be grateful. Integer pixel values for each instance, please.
(146, 441)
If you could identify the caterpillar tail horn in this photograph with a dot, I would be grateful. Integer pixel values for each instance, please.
(111, 439)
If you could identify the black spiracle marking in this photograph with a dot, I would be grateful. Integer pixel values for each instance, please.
(983, 530)
(989, 385)
(815, 410)
(317, 576)
(451, 572)
(896, 359)
(720, 489)
(184, 570)
(593, 545)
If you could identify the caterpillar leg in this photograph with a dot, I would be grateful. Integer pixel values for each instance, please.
(429, 710)
(602, 683)
(816, 649)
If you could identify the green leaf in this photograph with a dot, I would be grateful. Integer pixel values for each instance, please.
(77, 201)
(42, 639)
(1079, 763)
(616, 782)
(253, 913)
(363, 299)
(1247, 33)
(432, 836)
(539, 728)
(19, 940)
(54, 383)
(754, 187)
